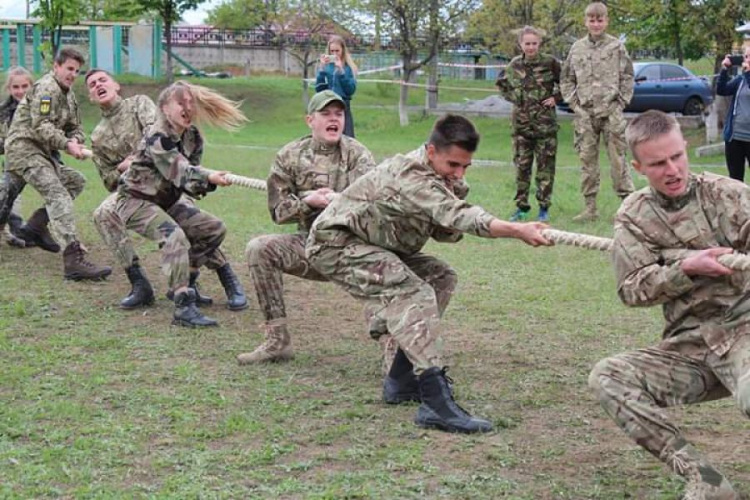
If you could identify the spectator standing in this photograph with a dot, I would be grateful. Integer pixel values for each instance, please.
(737, 123)
(338, 72)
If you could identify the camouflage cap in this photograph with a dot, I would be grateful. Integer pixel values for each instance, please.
(323, 99)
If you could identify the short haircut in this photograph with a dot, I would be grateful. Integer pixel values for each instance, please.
(69, 53)
(529, 30)
(648, 126)
(454, 130)
(95, 70)
(15, 71)
(596, 9)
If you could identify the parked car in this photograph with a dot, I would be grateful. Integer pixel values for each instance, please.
(667, 87)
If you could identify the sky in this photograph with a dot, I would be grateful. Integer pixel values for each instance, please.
(16, 9)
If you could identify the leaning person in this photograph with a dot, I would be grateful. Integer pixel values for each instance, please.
(668, 237)
(369, 242)
(166, 167)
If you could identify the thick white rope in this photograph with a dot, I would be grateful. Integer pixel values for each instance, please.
(736, 261)
(247, 182)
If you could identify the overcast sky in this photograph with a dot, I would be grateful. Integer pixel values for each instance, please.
(16, 9)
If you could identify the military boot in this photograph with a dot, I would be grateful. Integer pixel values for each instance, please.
(14, 225)
(11, 239)
(236, 299)
(276, 347)
(590, 213)
(187, 314)
(35, 231)
(704, 482)
(439, 410)
(141, 293)
(78, 268)
(200, 300)
(401, 383)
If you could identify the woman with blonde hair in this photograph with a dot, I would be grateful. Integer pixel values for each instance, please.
(167, 166)
(338, 72)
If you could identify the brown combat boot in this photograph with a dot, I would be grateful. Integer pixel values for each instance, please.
(704, 482)
(590, 213)
(36, 232)
(78, 268)
(277, 346)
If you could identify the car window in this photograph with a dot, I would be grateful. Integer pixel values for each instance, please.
(650, 72)
(672, 72)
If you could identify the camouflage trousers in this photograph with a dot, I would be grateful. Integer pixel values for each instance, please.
(10, 192)
(524, 150)
(611, 127)
(409, 293)
(634, 387)
(188, 237)
(58, 186)
(113, 231)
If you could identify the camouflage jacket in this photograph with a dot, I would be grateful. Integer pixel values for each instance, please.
(398, 206)
(46, 119)
(118, 134)
(7, 109)
(597, 74)
(652, 234)
(307, 165)
(526, 83)
(166, 166)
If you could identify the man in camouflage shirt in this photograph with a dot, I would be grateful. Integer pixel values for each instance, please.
(531, 82)
(667, 240)
(597, 82)
(369, 242)
(114, 142)
(47, 120)
(306, 174)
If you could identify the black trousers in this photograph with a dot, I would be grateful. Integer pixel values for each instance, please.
(736, 153)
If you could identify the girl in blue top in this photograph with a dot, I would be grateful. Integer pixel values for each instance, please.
(737, 123)
(338, 72)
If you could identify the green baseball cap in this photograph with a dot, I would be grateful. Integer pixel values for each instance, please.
(323, 99)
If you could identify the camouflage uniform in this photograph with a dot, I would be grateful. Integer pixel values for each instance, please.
(369, 239)
(526, 83)
(705, 351)
(302, 165)
(46, 119)
(597, 82)
(115, 138)
(150, 202)
(10, 187)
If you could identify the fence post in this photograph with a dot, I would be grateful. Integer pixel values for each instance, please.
(6, 49)
(36, 33)
(21, 44)
(117, 48)
(93, 62)
(156, 73)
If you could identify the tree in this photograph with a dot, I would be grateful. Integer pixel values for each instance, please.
(53, 15)
(110, 10)
(238, 14)
(170, 11)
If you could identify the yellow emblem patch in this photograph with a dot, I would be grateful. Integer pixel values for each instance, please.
(45, 105)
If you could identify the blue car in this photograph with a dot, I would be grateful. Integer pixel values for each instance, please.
(667, 87)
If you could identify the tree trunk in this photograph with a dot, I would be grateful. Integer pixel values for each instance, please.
(432, 85)
(168, 33)
(403, 112)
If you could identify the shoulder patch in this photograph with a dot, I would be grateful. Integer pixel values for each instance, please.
(45, 105)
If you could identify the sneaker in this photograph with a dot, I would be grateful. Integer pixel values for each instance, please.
(543, 214)
(519, 215)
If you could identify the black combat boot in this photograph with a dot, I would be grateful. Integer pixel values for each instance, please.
(78, 268)
(187, 314)
(401, 383)
(236, 300)
(35, 231)
(200, 300)
(14, 224)
(439, 410)
(141, 293)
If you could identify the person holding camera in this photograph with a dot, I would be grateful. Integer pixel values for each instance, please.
(338, 72)
(737, 122)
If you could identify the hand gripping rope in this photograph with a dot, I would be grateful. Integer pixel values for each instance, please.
(736, 261)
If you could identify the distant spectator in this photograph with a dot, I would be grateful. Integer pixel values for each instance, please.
(737, 122)
(338, 72)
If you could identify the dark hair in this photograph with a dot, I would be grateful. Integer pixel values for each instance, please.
(454, 130)
(95, 70)
(68, 53)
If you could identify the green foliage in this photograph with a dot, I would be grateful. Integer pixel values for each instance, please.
(111, 10)
(237, 14)
(53, 15)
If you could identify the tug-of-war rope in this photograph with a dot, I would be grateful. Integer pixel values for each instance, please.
(736, 261)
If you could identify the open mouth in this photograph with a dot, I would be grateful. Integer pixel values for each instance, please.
(101, 92)
(332, 128)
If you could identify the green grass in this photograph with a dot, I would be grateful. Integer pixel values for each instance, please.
(102, 403)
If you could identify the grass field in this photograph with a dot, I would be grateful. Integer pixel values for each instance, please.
(96, 402)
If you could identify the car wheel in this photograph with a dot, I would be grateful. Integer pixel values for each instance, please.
(693, 106)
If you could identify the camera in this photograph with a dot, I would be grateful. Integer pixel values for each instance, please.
(736, 60)
(331, 58)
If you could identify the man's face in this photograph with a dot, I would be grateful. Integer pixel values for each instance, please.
(530, 44)
(66, 72)
(103, 90)
(450, 163)
(596, 25)
(327, 125)
(664, 162)
(179, 110)
(18, 85)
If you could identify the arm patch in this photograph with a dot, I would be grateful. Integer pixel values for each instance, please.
(45, 105)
